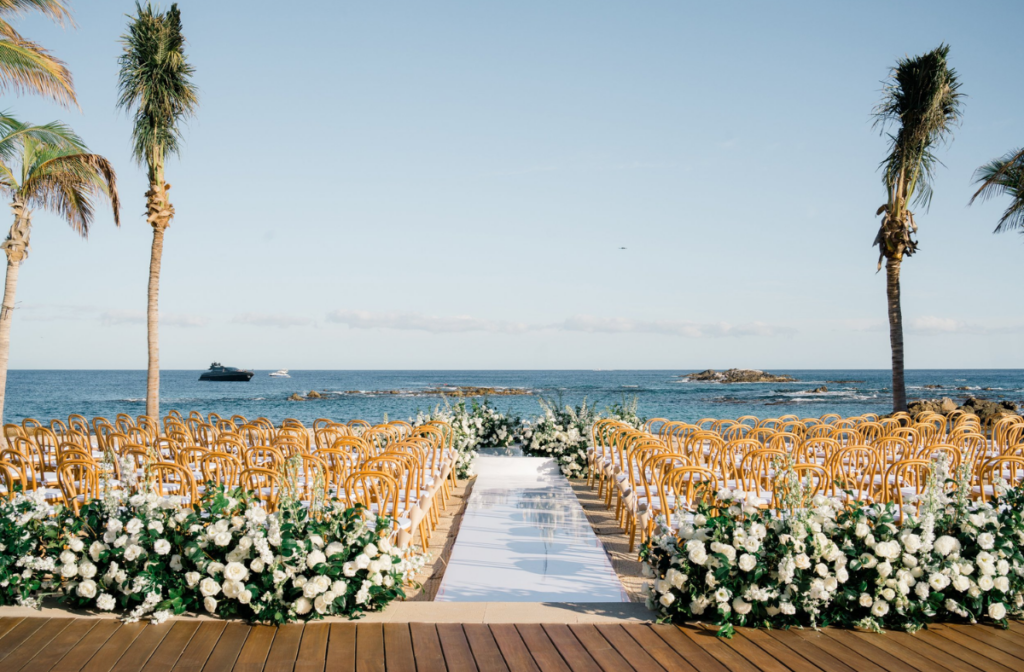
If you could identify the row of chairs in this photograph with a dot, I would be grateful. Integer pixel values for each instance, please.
(670, 465)
(393, 469)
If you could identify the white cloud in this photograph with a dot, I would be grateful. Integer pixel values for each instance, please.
(579, 323)
(110, 318)
(619, 325)
(361, 319)
(929, 324)
(271, 320)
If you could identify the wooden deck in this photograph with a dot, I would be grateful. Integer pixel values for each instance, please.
(103, 645)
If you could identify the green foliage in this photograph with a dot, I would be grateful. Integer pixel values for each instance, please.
(1004, 177)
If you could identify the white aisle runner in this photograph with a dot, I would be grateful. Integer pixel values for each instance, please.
(525, 538)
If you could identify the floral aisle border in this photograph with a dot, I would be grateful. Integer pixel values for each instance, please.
(149, 556)
(856, 565)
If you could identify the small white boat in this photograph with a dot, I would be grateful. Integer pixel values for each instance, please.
(282, 373)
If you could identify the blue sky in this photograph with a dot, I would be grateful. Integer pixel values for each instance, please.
(449, 184)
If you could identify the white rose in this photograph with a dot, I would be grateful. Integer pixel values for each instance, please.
(866, 600)
(76, 544)
(210, 604)
(945, 545)
(245, 597)
(938, 581)
(315, 558)
(176, 565)
(235, 571)
(86, 569)
(667, 599)
(334, 548)
(961, 583)
(986, 582)
(209, 587)
(802, 561)
(257, 565)
(997, 611)
(232, 589)
(95, 549)
(86, 589)
(162, 547)
(214, 568)
(880, 608)
(134, 526)
(302, 606)
(747, 562)
(132, 552)
(105, 602)
(67, 557)
(370, 550)
(69, 570)
(222, 538)
(362, 561)
(1002, 584)
(192, 578)
(156, 526)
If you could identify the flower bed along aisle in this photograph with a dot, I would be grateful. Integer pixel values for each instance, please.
(951, 559)
(148, 556)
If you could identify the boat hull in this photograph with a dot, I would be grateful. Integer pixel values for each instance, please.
(232, 377)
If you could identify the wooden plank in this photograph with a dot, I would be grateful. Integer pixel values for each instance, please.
(485, 650)
(253, 655)
(341, 648)
(457, 654)
(224, 654)
(199, 647)
(838, 651)
(1009, 634)
(82, 653)
(985, 649)
(398, 647)
(142, 649)
(575, 656)
(540, 647)
(1016, 626)
(707, 640)
(35, 643)
(8, 623)
(19, 634)
(174, 645)
(285, 648)
(649, 644)
(60, 645)
(112, 650)
(913, 652)
(816, 655)
(993, 637)
(369, 647)
(426, 646)
(513, 649)
(603, 653)
(769, 653)
(868, 649)
(688, 649)
(954, 649)
(313, 650)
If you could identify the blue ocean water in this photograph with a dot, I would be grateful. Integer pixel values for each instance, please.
(56, 394)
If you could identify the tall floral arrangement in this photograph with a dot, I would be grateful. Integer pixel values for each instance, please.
(947, 558)
(26, 521)
(562, 433)
(477, 425)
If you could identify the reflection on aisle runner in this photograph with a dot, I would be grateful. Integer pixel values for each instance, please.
(525, 538)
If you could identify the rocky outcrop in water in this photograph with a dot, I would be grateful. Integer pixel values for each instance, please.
(985, 409)
(737, 376)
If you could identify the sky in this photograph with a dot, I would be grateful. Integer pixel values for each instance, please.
(450, 185)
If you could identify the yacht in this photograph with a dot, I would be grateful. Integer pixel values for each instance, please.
(219, 372)
(280, 373)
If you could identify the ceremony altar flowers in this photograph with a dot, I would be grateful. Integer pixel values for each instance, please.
(475, 426)
(562, 433)
(829, 563)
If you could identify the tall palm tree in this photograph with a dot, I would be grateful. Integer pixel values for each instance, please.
(45, 167)
(156, 85)
(1004, 176)
(923, 103)
(26, 66)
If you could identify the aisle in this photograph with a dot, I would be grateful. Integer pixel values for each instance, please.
(524, 538)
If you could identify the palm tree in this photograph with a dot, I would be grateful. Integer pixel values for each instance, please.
(922, 101)
(1004, 176)
(26, 66)
(45, 167)
(155, 84)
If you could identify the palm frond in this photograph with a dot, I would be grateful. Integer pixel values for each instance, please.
(923, 101)
(27, 67)
(53, 9)
(14, 132)
(1004, 176)
(155, 82)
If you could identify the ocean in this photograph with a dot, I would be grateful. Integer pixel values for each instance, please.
(370, 395)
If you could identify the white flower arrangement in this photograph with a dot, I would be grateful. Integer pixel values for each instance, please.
(835, 563)
(152, 557)
(562, 433)
(475, 426)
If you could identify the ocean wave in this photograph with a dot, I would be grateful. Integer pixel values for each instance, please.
(130, 400)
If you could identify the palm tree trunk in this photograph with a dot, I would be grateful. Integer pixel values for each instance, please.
(160, 211)
(153, 325)
(16, 247)
(892, 290)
